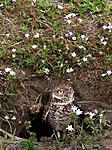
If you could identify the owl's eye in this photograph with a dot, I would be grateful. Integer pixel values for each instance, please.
(60, 92)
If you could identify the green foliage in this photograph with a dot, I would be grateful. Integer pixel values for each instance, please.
(85, 131)
(1, 54)
(44, 4)
(1, 145)
(94, 6)
(29, 145)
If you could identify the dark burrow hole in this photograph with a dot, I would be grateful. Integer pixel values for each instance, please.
(38, 126)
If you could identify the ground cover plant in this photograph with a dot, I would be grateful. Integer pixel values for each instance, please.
(43, 42)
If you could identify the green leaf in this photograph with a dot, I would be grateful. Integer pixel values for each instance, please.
(1, 54)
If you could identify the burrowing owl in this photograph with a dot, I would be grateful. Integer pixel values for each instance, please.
(62, 97)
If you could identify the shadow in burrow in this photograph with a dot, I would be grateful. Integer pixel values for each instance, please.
(36, 124)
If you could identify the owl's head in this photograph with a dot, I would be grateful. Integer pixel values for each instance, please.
(63, 92)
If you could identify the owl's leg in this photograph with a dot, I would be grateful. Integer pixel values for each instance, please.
(53, 134)
(58, 134)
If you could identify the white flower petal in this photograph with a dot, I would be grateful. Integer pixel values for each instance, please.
(109, 72)
(36, 35)
(13, 118)
(78, 112)
(74, 108)
(60, 7)
(70, 128)
(73, 38)
(12, 73)
(34, 46)
(69, 70)
(85, 59)
(7, 69)
(13, 50)
(73, 54)
(6, 117)
(13, 55)
(27, 35)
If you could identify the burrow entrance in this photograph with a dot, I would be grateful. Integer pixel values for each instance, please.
(38, 126)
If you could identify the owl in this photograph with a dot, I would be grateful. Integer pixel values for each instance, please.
(61, 100)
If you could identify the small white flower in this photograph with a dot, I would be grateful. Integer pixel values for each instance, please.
(34, 46)
(70, 33)
(46, 70)
(86, 38)
(54, 36)
(73, 14)
(1, 5)
(70, 15)
(73, 54)
(13, 0)
(100, 120)
(44, 46)
(83, 36)
(102, 39)
(109, 72)
(91, 115)
(70, 128)
(80, 20)
(101, 53)
(27, 35)
(69, 70)
(69, 21)
(13, 118)
(7, 69)
(73, 38)
(78, 112)
(101, 115)
(8, 34)
(104, 42)
(13, 55)
(105, 27)
(6, 117)
(67, 35)
(110, 26)
(68, 79)
(61, 65)
(36, 35)
(20, 122)
(13, 50)
(60, 7)
(81, 47)
(103, 74)
(84, 59)
(43, 61)
(74, 108)
(12, 73)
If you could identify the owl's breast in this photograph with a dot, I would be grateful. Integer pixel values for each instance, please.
(58, 116)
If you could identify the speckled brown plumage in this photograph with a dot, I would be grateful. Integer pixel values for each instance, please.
(59, 109)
